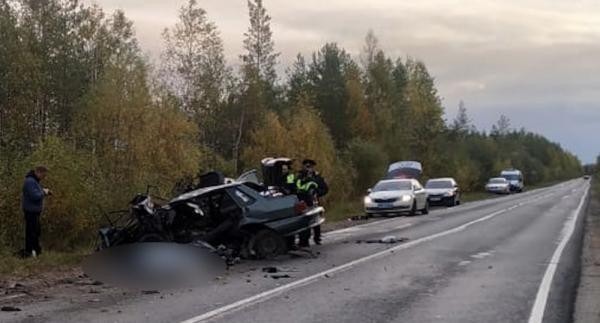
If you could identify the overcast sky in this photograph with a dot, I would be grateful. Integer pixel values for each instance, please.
(538, 62)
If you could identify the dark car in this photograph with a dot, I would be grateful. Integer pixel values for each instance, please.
(242, 216)
(443, 191)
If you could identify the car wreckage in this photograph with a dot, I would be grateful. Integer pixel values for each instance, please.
(250, 218)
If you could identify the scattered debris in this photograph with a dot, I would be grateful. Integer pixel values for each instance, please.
(385, 240)
(270, 270)
(10, 309)
(327, 276)
(67, 281)
(93, 291)
(359, 218)
(281, 276)
(97, 283)
(94, 300)
(149, 292)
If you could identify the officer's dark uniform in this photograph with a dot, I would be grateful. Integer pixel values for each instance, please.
(310, 186)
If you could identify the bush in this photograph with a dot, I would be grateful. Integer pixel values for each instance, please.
(369, 161)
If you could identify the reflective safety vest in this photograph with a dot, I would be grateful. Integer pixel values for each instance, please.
(290, 179)
(305, 187)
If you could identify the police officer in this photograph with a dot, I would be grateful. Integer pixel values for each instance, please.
(288, 179)
(310, 186)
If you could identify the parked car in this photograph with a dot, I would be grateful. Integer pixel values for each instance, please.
(587, 177)
(242, 216)
(515, 179)
(443, 191)
(498, 185)
(395, 196)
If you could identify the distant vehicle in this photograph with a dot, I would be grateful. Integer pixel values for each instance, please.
(498, 185)
(395, 196)
(514, 178)
(443, 191)
(404, 169)
(587, 177)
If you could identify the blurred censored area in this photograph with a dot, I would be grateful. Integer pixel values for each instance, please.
(154, 265)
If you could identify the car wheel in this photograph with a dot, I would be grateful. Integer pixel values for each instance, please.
(267, 244)
(452, 202)
(425, 210)
(413, 210)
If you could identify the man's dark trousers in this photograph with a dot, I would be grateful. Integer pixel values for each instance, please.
(32, 233)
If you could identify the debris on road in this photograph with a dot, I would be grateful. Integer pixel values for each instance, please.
(385, 240)
(149, 292)
(10, 309)
(281, 276)
(269, 270)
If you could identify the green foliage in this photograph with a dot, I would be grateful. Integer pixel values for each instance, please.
(370, 161)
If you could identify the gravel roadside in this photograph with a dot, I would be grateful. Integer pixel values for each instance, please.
(587, 307)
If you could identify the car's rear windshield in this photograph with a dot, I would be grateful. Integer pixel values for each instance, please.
(392, 186)
(439, 184)
(497, 180)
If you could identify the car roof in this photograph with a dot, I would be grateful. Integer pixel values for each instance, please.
(396, 180)
(441, 179)
(204, 190)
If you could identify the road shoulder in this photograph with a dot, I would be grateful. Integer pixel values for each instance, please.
(587, 307)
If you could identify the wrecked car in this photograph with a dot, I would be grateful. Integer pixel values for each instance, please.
(243, 216)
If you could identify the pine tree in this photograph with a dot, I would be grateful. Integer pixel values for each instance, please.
(462, 124)
(502, 126)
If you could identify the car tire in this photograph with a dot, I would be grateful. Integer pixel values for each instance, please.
(267, 244)
(425, 210)
(452, 202)
(413, 210)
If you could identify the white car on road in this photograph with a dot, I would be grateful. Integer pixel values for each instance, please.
(498, 185)
(395, 196)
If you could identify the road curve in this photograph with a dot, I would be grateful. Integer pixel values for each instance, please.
(510, 259)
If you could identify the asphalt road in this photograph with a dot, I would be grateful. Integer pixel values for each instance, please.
(510, 259)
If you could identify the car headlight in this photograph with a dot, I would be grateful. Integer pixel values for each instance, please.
(368, 200)
(448, 194)
(406, 198)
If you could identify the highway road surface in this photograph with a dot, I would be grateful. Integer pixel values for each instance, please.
(510, 259)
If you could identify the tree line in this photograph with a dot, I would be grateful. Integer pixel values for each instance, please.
(78, 95)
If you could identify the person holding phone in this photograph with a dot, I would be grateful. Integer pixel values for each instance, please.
(33, 205)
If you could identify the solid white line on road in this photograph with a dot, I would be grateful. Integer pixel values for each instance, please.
(241, 304)
(539, 307)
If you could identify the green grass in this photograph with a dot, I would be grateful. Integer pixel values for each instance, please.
(342, 211)
(16, 267)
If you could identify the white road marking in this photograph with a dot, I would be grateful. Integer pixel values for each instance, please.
(243, 303)
(565, 197)
(539, 307)
(481, 255)
(464, 262)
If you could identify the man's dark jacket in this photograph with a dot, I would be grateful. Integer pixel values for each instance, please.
(33, 194)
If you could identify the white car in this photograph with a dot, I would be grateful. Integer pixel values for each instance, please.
(515, 179)
(498, 185)
(443, 191)
(395, 196)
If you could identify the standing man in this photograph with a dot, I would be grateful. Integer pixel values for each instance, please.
(33, 204)
(310, 186)
(288, 178)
